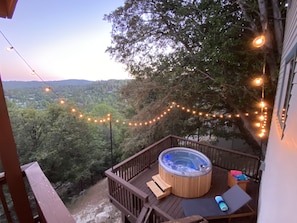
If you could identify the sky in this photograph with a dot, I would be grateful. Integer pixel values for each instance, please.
(59, 39)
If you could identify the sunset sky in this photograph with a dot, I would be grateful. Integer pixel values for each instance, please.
(59, 39)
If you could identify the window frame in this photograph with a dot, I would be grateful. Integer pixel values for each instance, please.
(286, 88)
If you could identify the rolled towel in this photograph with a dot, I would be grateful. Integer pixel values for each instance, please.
(241, 177)
(222, 204)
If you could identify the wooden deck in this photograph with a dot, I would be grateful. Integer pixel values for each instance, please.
(172, 204)
(128, 190)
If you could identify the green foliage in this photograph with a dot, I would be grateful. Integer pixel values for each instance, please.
(196, 53)
(82, 95)
(68, 149)
(28, 132)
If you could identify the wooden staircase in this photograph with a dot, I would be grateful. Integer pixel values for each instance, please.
(159, 187)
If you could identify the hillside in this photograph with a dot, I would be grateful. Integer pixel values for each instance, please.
(7, 85)
(93, 206)
(81, 93)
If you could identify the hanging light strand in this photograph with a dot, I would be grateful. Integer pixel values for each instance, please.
(33, 71)
(132, 123)
(157, 118)
(259, 42)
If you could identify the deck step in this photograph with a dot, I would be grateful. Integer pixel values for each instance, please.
(159, 187)
(156, 189)
(162, 184)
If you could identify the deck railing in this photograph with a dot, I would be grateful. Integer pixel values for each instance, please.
(135, 164)
(225, 158)
(131, 201)
(153, 215)
(124, 195)
(47, 207)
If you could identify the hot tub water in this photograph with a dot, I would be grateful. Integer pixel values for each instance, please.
(186, 162)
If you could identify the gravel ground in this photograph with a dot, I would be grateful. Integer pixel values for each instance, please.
(93, 206)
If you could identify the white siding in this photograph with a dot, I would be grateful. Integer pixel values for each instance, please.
(278, 189)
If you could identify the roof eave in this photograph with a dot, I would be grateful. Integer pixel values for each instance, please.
(7, 8)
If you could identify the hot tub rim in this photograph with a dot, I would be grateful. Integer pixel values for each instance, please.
(192, 174)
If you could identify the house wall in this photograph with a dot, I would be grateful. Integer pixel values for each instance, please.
(278, 193)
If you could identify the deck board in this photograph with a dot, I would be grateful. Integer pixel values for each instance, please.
(172, 204)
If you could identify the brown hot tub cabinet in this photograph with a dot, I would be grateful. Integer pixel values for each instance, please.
(186, 170)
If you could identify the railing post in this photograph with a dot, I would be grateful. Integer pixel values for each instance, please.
(173, 141)
(258, 177)
(4, 205)
(11, 165)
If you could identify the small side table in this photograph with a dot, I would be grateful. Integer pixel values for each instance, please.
(232, 181)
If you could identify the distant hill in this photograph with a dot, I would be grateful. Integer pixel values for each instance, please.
(9, 85)
(82, 93)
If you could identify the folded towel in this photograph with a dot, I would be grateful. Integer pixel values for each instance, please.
(222, 204)
(235, 172)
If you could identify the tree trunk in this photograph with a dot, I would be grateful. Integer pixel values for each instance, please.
(278, 26)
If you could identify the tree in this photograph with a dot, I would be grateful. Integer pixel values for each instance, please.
(103, 132)
(68, 148)
(196, 53)
(28, 132)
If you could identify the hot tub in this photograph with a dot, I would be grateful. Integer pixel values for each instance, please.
(186, 170)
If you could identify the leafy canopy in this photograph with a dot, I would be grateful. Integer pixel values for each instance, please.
(197, 53)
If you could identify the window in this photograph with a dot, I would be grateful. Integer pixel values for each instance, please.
(286, 89)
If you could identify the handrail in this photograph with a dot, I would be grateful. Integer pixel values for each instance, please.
(135, 164)
(225, 158)
(125, 196)
(126, 185)
(119, 175)
(49, 206)
(213, 146)
(157, 215)
(5, 205)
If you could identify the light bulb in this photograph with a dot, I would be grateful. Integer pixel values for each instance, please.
(9, 48)
(258, 81)
(262, 104)
(261, 135)
(259, 41)
(47, 89)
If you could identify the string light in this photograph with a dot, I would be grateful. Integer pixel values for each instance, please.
(157, 118)
(258, 82)
(10, 48)
(262, 104)
(47, 89)
(259, 41)
(33, 72)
